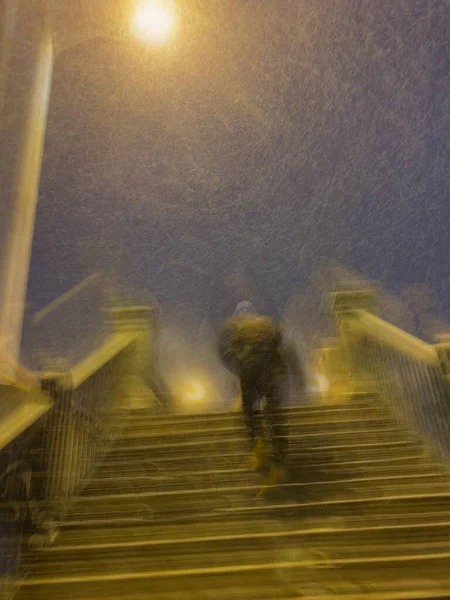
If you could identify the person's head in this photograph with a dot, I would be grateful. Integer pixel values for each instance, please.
(245, 308)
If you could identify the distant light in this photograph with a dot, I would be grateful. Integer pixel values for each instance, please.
(194, 392)
(154, 21)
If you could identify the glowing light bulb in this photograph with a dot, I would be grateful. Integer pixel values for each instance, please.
(154, 21)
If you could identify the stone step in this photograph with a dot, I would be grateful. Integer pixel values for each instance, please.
(333, 542)
(287, 500)
(232, 454)
(419, 458)
(411, 526)
(408, 571)
(255, 551)
(402, 454)
(131, 438)
(368, 506)
(316, 404)
(128, 528)
(326, 421)
(227, 477)
(310, 589)
(139, 417)
(174, 512)
(298, 403)
(371, 506)
(382, 438)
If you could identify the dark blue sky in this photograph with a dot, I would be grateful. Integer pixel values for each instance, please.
(271, 135)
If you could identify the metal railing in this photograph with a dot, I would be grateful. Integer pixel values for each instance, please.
(83, 422)
(70, 327)
(51, 439)
(81, 425)
(408, 375)
(23, 411)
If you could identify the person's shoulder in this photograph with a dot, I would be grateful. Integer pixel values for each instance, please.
(266, 322)
(255, 324)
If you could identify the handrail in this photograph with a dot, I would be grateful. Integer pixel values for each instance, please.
(63, 428)
(375, 327)
(113, 344)
(64, 298)
(32, 407)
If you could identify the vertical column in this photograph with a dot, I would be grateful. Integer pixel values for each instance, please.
(348, 366)
(8, 19)
(141, 320)
(16, 259)
(443, 352)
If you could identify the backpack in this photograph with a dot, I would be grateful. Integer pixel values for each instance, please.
(249, 341)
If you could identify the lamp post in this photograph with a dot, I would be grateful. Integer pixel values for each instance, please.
(25, 189)
(9, 18)
(153, 22)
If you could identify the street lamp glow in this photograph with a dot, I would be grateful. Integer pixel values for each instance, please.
(194, 392)
(154, 21)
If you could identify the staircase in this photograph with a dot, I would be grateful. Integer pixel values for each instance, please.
(174, 513)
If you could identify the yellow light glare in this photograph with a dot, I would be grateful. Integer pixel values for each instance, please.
(154, 21)
(194, 392)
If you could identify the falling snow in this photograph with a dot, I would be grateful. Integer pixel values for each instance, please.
(270, 137)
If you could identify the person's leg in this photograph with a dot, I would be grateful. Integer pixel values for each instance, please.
(275, 398)
(250, 395)
(276, 390)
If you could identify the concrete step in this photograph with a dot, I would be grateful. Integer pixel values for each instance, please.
(140, 417)
(419, 458)
(310, 590)
(242, 477)
(317, 405)
(236, 422)
(287, 500)
(408, 571)
(262, 550)
(368, 506)
(131, 438)
(174, 513)
(132, 463)
(231, 453)
(411, 526)
(148, 474)
(338, 541)
(128, 529)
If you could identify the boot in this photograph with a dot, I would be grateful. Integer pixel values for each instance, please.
(45, 534)
(278, 476)
(260, 455)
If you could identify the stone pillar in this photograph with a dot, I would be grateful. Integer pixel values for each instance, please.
(345, 359)
(143, 322)
(443, 351)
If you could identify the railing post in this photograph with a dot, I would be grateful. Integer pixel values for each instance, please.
(21, 479)
(143, 322)
(332, 366)
(60, 444)
(443, 351)
(344, 306)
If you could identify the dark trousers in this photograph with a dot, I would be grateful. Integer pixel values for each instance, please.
(269, 380)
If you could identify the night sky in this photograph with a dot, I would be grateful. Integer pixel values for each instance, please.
(270, 134)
